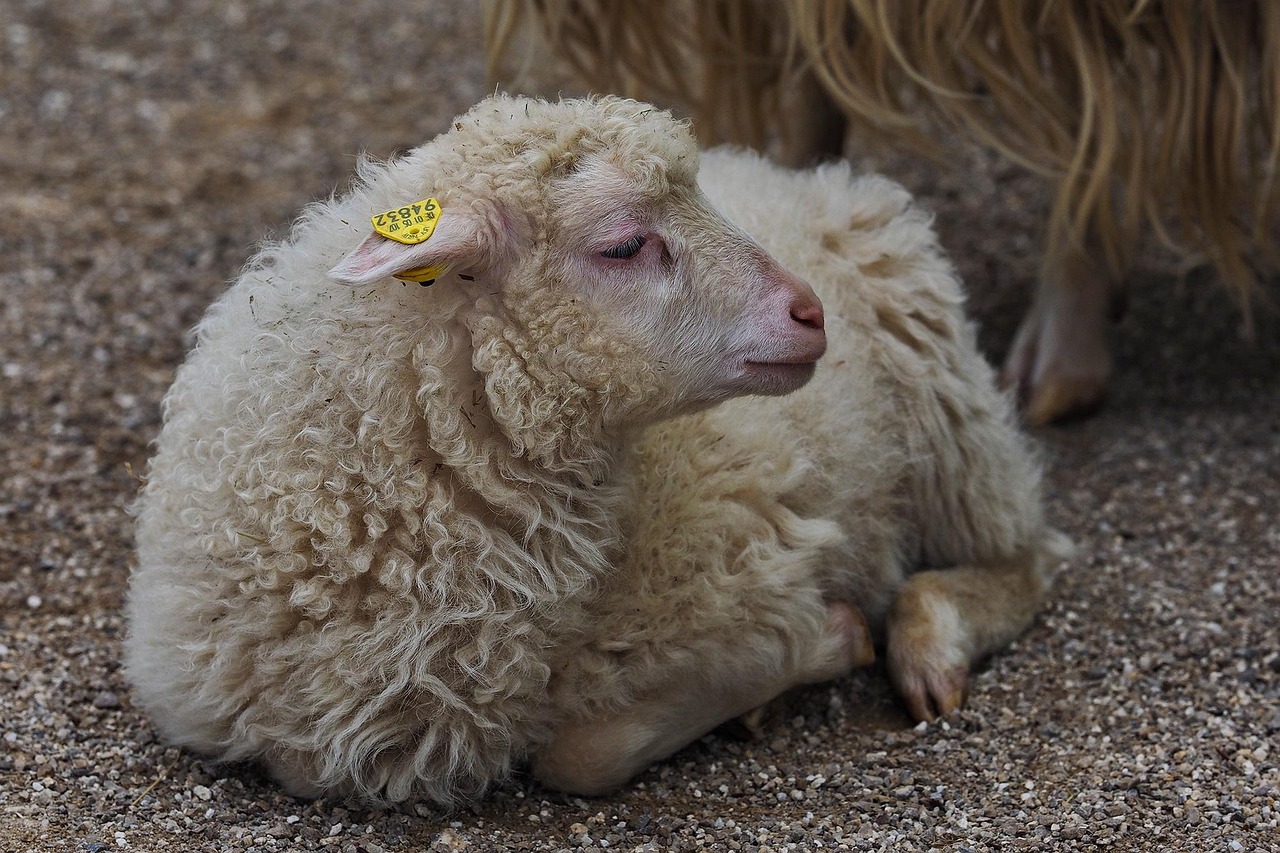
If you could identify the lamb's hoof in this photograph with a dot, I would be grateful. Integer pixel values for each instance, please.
(1060, 361)
(850, 624)
(752, 722)
(927, 658)
(846, 644)
(931, 694)
(593, 757)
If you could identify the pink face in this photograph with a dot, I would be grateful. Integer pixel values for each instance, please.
(702, 299)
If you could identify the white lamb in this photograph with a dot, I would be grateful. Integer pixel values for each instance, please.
(396, 539)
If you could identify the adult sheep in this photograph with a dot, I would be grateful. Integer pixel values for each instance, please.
(396, 538)
(1139, 114)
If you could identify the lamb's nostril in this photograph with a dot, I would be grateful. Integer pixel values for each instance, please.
(808, 314)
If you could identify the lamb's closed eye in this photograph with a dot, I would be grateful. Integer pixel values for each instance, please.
(625, 250)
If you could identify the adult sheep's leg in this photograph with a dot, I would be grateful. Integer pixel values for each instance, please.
(1061, 357)
(811, 128)
(943, 621)
(596, 755)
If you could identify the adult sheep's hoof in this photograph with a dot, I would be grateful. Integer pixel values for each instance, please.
(1057, 399)
(1060, 361)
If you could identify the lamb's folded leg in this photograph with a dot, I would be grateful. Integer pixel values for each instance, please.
(597, 755)
(1061, 356)
(943, 621)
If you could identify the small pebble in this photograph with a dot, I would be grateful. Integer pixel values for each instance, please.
(106, 700)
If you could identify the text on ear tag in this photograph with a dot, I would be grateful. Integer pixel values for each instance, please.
(410, 224)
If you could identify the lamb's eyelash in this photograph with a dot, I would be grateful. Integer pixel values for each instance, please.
(622, 251)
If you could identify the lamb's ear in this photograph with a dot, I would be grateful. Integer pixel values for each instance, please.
(456, 243)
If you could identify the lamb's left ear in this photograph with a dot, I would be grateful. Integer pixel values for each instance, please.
(455, 243)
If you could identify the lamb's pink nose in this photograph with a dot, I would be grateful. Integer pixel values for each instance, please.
(805, 307)
(807, 311)
(809, 339)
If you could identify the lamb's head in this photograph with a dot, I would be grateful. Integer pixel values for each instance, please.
(596, 264)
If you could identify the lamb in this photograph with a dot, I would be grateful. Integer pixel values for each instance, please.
(576, 502)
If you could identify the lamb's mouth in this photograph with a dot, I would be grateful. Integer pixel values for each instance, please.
(795, 363)
(782, 362)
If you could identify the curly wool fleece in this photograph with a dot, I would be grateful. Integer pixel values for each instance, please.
(394, 537)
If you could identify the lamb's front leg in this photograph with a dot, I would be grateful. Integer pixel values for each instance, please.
(943, 621)
(595, 755)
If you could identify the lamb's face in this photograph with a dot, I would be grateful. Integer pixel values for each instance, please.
(615, 276)
(711, 312)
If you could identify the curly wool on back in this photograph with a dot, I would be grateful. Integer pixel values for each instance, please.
(386, 526)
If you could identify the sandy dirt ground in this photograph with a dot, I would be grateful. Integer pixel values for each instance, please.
(146, 145)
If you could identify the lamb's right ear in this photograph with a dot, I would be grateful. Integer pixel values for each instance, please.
(456, 243)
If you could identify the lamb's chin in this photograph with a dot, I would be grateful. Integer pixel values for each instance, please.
(774, 379)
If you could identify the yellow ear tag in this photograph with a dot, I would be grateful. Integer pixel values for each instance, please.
(411, 224)
(425, 276)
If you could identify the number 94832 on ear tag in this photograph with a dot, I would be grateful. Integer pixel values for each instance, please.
(410, 224)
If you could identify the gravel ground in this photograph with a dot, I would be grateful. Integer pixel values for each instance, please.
(145, 145)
